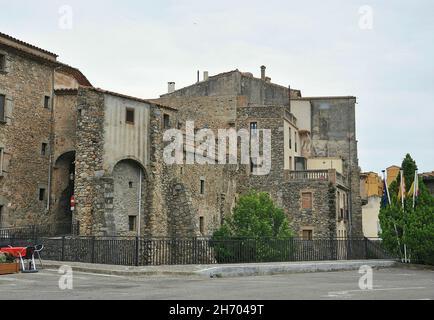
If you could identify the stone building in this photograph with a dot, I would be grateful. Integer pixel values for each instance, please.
(62, 138)
(371, 190)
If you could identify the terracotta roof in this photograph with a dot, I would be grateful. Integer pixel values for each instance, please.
(66, 91)
(324, 98)
(27, 44)
(428, 175)
(76, 73)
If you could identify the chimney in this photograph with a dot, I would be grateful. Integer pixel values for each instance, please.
(171, 87)
(263, 68)
(198, 76)
(205, 76)
(268, 79)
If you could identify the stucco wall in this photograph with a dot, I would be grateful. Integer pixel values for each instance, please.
(370, 217)
(123, 140)
(302, 111)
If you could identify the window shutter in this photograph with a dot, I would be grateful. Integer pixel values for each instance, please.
(8, 63)
(8, 110)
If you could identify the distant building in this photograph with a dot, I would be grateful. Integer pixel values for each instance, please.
(392, 174)
(371, 191)
(428, 179)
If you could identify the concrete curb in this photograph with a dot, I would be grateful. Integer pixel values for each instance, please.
(226, 271)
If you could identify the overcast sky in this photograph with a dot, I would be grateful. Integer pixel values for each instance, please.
(320, 47)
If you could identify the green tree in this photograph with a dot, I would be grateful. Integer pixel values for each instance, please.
(257, 231)
(256, 216)
(413, 227)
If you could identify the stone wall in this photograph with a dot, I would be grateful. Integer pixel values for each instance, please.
(25, 83)
(334, 135)
(89, 187)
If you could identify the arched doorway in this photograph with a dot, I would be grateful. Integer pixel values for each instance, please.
(63, 187)
(128, 197)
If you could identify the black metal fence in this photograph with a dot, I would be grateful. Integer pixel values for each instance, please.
(143, 251)
(36, 231)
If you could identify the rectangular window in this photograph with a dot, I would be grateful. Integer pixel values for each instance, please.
(2, 108)
(41, 194)
(47, 102)
(253, 127)
(166, 121)
(202, 225)
(132, 223)
(44, 148)
(308, 235)
(2, 159)
(2, 62)
(307, 201)
(130, 116)
(290, 138)
(202, 186)
(296, 143)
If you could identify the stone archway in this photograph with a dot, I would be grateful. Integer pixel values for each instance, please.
(128, 202)
(63, 187)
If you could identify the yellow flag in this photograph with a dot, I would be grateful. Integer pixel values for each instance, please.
(410, 193)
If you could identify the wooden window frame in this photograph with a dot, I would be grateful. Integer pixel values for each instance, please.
(303, 193)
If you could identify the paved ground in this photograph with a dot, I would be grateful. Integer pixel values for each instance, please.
(394, 283)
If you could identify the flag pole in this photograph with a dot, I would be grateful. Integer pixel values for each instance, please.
(403, 210)
(390, 203)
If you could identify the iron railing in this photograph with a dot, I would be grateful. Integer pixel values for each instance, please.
(38, 231)
(144, 251)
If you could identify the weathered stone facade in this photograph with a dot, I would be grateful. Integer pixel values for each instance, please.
(106, 150)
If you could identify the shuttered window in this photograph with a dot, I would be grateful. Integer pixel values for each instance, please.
(2, 108)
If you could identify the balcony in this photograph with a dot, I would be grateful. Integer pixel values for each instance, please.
(316, 175)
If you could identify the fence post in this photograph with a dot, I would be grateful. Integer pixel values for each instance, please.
(63, 249)
(137, 251)
(366, 249)
(93, 250)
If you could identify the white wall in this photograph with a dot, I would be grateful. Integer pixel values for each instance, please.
(124, 140)
(302, 111)
(325, 164)
(370, 213)
(290, 152)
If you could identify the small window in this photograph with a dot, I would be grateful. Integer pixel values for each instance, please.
(166, 120)
(202, 186)
(41, 194)
(253, 127)
(2, 62)
(47, 102)
(130, 116)
(307, 201)
(44, 148)
(296, 143)
(202, 225)
(308, 235)
(2, 157)
(132, 223)
(130, 184)
(2, 108)
(290, 138)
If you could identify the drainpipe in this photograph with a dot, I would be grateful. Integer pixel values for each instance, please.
(139, 225)
(51, 144)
